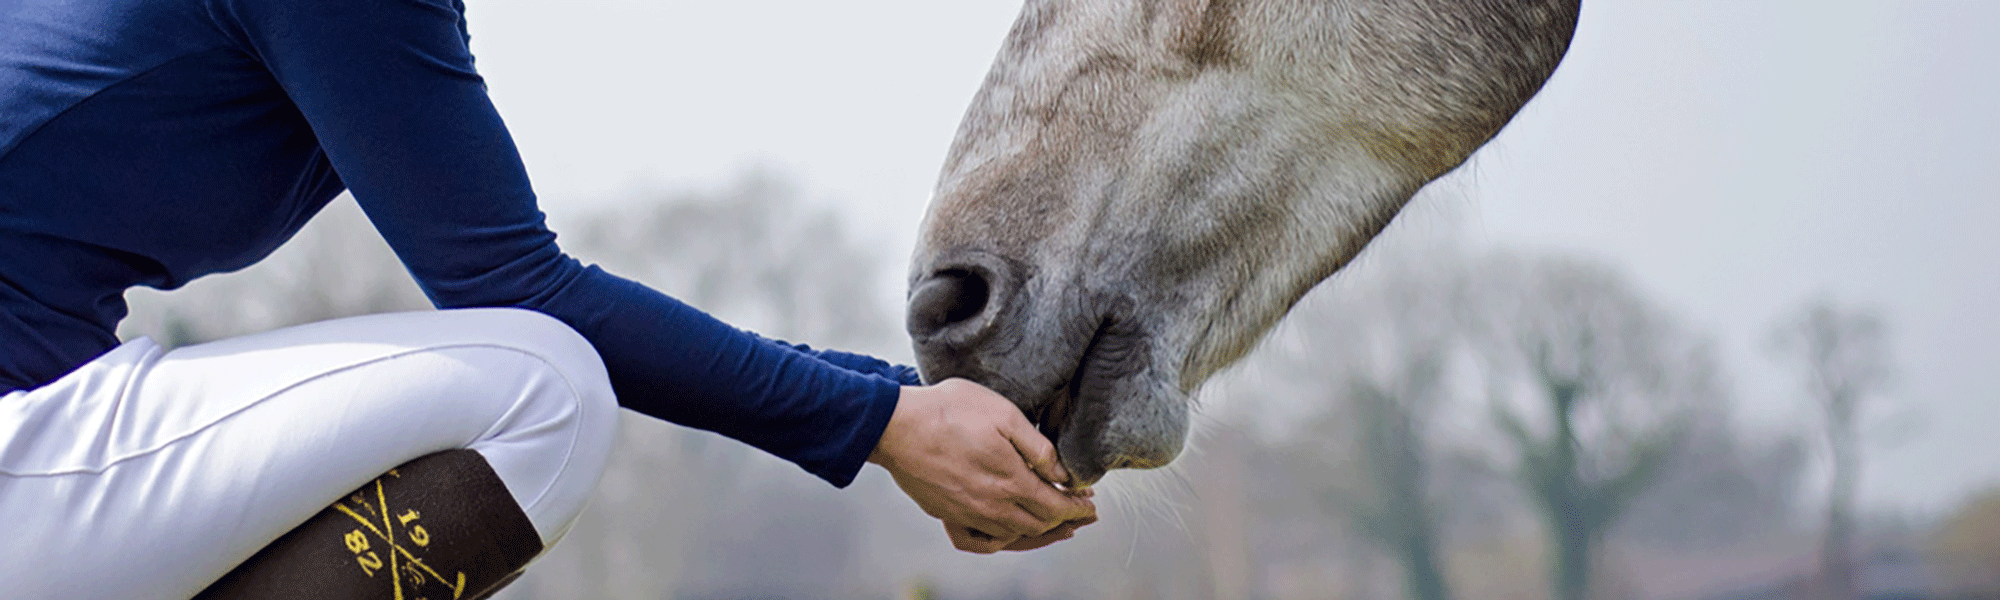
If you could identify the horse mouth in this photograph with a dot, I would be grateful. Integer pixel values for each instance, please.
(1076, 414)
(1049, 418)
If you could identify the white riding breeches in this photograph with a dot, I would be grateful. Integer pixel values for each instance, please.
(149, 473)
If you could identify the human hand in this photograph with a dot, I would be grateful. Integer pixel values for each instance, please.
(974, 540)
(969, 458)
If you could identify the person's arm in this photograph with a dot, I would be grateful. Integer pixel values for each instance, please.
(863, 363)
(389, 90)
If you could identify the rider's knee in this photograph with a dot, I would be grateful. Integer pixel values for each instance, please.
(546, 338)
(554, 442)
(562, 366)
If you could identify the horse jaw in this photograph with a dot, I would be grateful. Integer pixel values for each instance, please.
(1142, 189)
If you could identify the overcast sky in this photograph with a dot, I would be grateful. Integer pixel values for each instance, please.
(1734, 156)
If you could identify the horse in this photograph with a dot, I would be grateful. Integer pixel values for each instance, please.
(1141, 189)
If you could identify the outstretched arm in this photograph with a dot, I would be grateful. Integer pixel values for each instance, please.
(389, 89)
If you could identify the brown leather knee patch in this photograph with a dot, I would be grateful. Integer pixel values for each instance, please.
(439, 527)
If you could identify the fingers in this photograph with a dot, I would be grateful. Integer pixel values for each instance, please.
(1053, 506)
(1012, 525)
(1000, 514)
(989, 474)
(1044, 523)
(1029, 488)
(1036, 449)
(1062, 532)
(979, 542)
(1011, 519)
(975, 541)
(1042, 499)
(1019, 504)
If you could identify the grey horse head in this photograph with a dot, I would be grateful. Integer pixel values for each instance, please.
(1142, 188)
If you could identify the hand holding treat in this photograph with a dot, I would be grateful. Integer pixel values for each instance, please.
(968, 457)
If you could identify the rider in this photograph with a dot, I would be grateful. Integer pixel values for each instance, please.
(150, 142)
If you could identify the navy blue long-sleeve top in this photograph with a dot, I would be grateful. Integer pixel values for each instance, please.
(150, 142)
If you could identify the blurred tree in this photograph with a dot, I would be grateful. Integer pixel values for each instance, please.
(1842, 354)
(1578, 508)
(1394, 459)
(1382, 347)
(1594, 394)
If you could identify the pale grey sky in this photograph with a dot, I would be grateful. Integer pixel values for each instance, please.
(1735, 156)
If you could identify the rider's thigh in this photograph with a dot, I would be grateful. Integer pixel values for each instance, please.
(148, 473)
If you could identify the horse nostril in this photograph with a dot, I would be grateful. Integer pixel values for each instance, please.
(948, 298)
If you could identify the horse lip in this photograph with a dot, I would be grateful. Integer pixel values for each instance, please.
(1052, 416)
(1113, 353)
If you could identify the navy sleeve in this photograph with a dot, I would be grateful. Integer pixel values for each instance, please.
(389, 88)
(902, 374)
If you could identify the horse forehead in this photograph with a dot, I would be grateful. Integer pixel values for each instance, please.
(1416, 85)
(1410, 66)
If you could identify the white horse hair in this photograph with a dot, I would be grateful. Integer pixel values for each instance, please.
(1142, 188)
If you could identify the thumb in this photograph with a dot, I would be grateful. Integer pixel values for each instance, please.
(1036, 449)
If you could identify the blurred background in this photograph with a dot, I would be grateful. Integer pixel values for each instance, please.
(1714, 318)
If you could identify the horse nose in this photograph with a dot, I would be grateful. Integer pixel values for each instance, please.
(947, 305)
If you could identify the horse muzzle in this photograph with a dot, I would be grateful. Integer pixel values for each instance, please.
(1081, 366)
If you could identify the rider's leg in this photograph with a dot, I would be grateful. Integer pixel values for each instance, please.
(148, 474)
